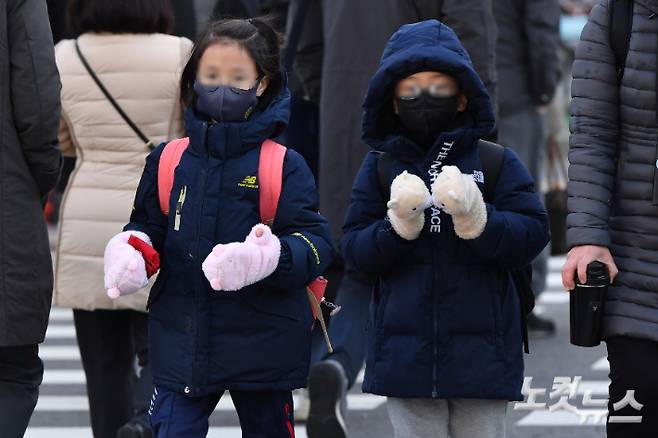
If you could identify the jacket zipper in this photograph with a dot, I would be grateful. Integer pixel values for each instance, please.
(201, 184)
(179, 207)
(435, 321)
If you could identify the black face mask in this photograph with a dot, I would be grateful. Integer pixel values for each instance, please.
(426, 116)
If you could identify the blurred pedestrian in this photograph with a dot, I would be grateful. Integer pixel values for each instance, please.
(336, 33)
(528, 74)
(613, 197)
(444, 334)
(185, 19)
(226, 313)
(126, 49)
(29, 167)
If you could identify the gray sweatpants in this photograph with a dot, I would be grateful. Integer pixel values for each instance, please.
(456, 418)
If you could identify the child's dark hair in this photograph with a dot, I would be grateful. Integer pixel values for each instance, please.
(255, 35)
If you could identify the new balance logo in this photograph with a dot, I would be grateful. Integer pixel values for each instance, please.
(249, 182)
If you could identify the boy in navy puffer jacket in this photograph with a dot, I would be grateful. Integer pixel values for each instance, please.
(445, 340)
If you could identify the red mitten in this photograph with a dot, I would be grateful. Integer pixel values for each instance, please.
(151, 256)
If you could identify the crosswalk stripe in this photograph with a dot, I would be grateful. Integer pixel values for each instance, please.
(562, 418)
(60, 332)
(554, 281)
(59, 352)
(79, 403)
(59, 314)
(63, 377)
(85, 432)
(598, 387)
(601, 365)
(555, 264)
(553, 298)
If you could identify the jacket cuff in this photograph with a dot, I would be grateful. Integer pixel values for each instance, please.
(578, 236)
(387, 240)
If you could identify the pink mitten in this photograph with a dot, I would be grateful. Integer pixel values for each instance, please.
(125, 270)
(236, 265)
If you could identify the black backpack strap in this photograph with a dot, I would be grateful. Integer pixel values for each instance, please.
(384, 170)
(111, 99)
(620, 26)
(491, 157)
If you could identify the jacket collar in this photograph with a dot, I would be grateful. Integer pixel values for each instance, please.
(227, 140)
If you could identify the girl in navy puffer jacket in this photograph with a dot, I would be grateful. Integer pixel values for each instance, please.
(227, 313)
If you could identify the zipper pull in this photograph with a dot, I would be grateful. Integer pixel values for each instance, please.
(179, 207)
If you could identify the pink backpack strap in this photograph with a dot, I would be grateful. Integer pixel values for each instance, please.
(270, 179)
(169, 160)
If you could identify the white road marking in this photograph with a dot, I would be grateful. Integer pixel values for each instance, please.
(59, 352)
(601, 365)
(85, 432)
(73, 403)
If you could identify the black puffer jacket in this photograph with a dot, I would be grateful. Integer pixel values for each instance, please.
(29, 168)
(613, 165)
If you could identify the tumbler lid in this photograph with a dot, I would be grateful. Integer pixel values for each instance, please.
(597, 274)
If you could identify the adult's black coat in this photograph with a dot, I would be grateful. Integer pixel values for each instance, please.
(526, 53)
(29, 168)
(346, 38)
(613, 187)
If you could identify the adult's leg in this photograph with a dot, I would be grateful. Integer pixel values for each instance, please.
(418, 418)
(525, 133)
(347, 329)
(138, 426)
(104, 338)
(633, 365)
(475, 418)
(330, 378)
(21, 372)
(176, 415)
(265, 414)
(143, 376)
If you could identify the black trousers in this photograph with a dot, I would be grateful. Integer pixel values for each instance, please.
(633, 366)
(21, 372)
(263, 414)
(114, 351)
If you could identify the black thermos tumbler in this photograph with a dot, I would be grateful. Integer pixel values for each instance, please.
(586, 303)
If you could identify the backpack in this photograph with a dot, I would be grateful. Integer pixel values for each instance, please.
(270, 181)
(620, 15)
(491, 156)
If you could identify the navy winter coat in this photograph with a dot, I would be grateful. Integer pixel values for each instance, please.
(445, 320)
(203, 341)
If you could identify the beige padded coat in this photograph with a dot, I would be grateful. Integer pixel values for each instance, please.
(142, 73)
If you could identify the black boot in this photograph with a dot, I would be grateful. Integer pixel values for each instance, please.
(540, 326)
(135, 429)
(327, 388)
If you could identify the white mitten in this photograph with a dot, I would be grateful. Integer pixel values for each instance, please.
(236, 265)
(458, 195)
(406, 209)
(125, 269)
